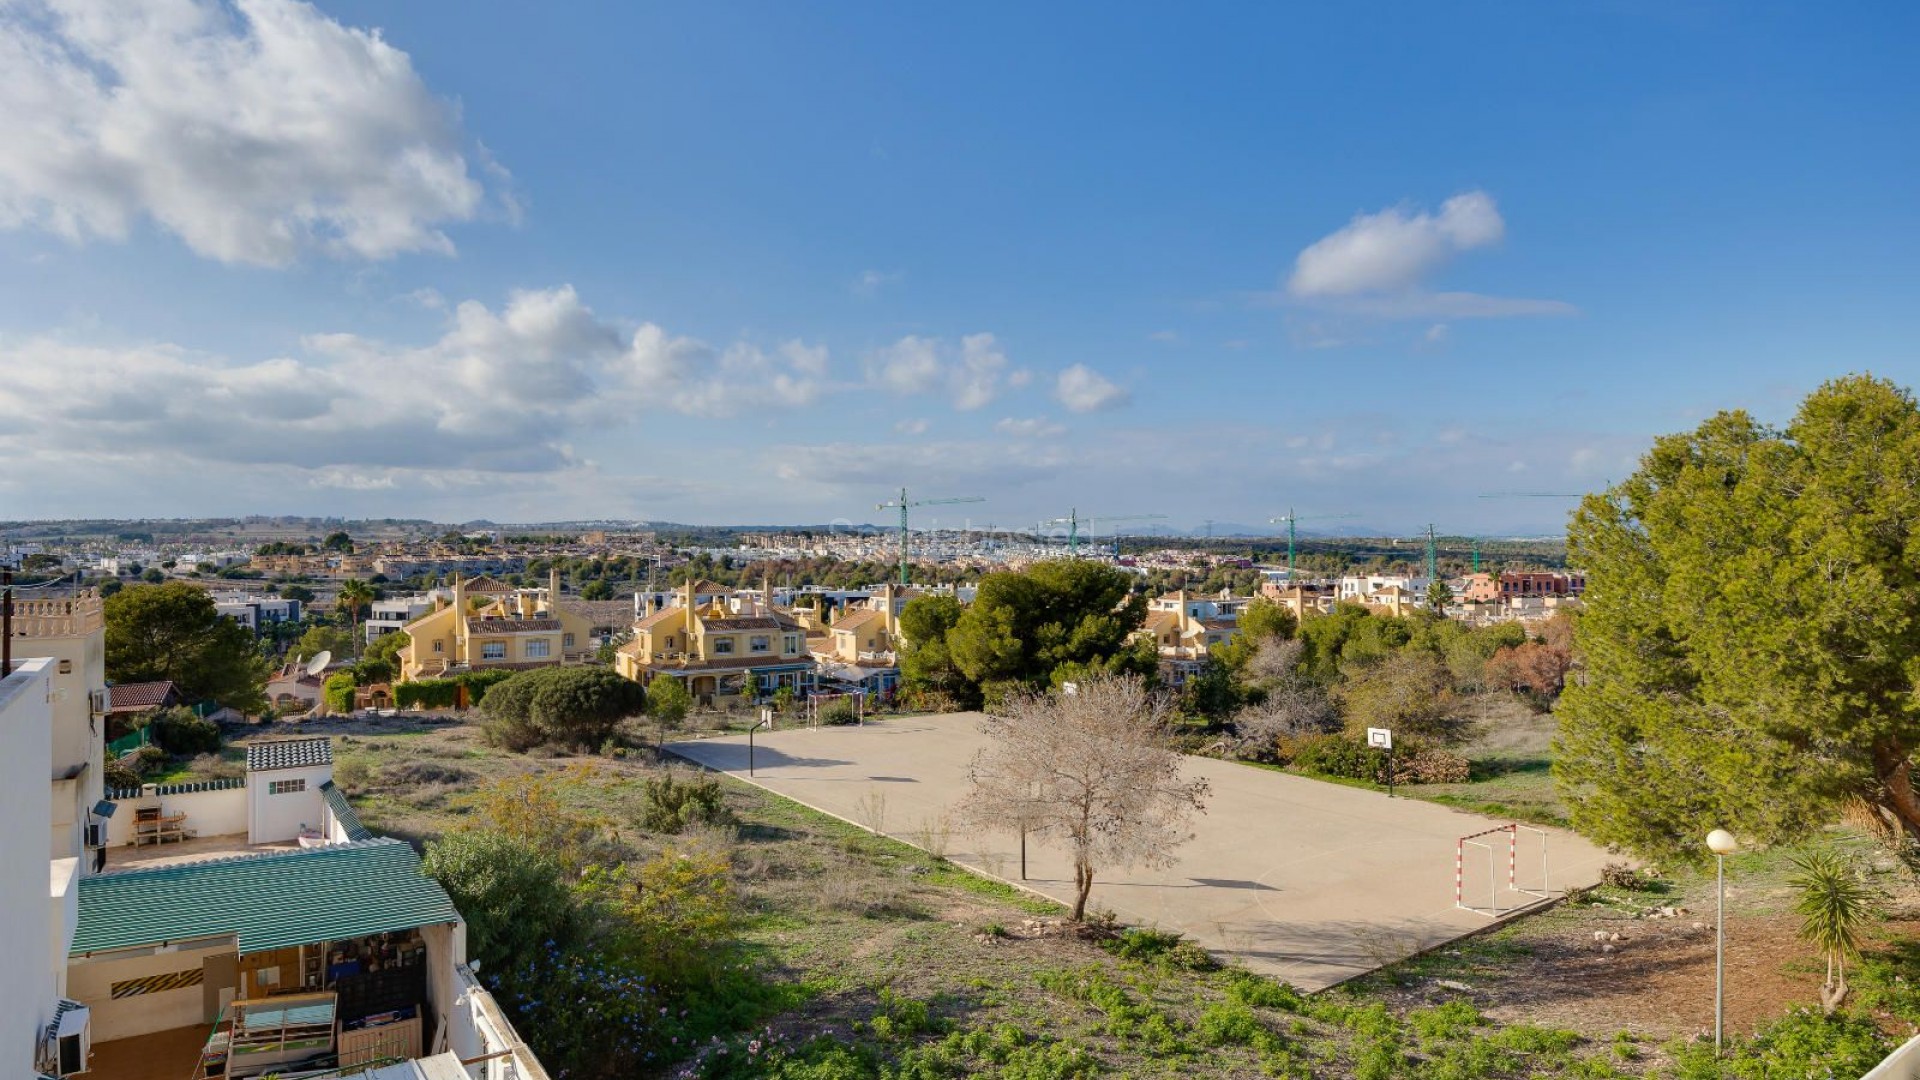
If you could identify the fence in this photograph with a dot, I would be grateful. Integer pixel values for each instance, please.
(128, 743)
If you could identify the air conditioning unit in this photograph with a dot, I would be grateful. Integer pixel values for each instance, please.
(98, 701)
(96, 834)
(69, 1040)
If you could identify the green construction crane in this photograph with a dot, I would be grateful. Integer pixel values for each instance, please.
(1073, 519)
(1291, 519)
(903, 503)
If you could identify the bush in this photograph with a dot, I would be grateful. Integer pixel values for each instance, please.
(672, 805)
(179, 731)
(839, 711)
(579, 706)
(338, 692)
(427, 694)
(1429, 765)
(1622, 876)
(1337, 755)
(515, 896)
(1160, 946)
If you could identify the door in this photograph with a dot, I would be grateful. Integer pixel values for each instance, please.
(220, 976)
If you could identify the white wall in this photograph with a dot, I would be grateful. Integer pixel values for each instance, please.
(79, 737)
(28, 988)
(209, 813)
(90, 982)
(1902, 1064)
(272, 819)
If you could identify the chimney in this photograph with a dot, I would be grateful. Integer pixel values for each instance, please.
(459, 597)
(553, 589)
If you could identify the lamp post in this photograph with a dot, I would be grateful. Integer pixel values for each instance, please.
(766, 720)
(1722, 844)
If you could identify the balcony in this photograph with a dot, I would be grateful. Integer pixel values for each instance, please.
(73, 616)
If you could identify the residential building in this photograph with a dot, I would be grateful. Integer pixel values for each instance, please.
(485, 624)
(1521, 584)
(859, 650)
(1184, 628)
(716, 651)
(253, 611)
(393, 614)
(1356, 588)
(229, 902)
(70, 630)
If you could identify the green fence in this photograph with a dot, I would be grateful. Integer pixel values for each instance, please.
(127, 744)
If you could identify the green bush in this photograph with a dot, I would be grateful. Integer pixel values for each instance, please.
(179, 731)
(1160, 946)
(427, 694)
(1803, 1043)
(338, 692)
(1338, 755)
(515, 897)
(671, 805)
(578, 706)
(838, 711)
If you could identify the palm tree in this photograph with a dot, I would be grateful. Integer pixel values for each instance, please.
(355, 597)
(1835, 906)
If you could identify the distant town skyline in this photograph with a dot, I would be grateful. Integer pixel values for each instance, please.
(747, 265)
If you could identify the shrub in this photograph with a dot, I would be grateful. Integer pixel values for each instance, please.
(1428, 765)
(1160, 946)
(427, 694)
(179, 731)
(837, 711)
(1229, 1024)
(1622, 876)
(1338, 755)
(515, 896)
(671, 805)
(338, 692)
(578, 706)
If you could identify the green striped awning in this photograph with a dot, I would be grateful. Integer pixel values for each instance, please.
(343, 811)
(268, 901)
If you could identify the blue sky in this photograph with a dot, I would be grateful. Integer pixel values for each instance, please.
(759, 263)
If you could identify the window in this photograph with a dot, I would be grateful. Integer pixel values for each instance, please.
(439, 646)
(493, 650)
(286, 787)
(759, 643)
(722, 646)
(793, 643)
(566, 642)
(537, 649)
(66, 668)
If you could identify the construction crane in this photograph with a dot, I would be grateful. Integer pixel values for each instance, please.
(903, 504)
(1073, 519)
(1291, 519)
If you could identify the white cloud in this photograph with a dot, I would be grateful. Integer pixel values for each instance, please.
(1082, 389)
(971, 373)
(1436, 334)
(252, 133)
(1379, 264)
(915, 426)
(1394, 249)
(1036, 427)
(868, 283)
(500, 391)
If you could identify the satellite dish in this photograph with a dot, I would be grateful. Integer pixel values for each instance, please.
(319, 663)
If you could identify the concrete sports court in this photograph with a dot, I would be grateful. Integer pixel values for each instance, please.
(1304, 880)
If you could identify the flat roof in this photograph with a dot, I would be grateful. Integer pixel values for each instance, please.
(266, 901)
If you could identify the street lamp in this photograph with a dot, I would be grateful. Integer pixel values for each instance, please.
(1722, 844)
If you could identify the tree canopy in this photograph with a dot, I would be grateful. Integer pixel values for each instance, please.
(1056, 620)
(580, 706)
(173, 632)
(1751, 638)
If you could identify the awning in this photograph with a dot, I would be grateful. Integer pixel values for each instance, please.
(268, 901)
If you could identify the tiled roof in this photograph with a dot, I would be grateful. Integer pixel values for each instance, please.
(288, 754)
(666, 614)
(139, 696)
(744, 622)
(510, 626)
(485, 584)
(600, 612)
(268, 901)
(343, 811)
(857, 619)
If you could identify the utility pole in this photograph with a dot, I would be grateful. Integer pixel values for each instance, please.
(1433, 558)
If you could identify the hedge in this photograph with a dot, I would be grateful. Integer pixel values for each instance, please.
(338, 692)
(445, 693)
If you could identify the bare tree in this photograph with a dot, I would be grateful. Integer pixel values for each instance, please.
(1092, 768)
(1290, 704)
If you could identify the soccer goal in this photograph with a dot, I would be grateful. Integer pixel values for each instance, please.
(1488, 842)
(819, 703)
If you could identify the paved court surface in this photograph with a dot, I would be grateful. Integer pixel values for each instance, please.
(1305, 880)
